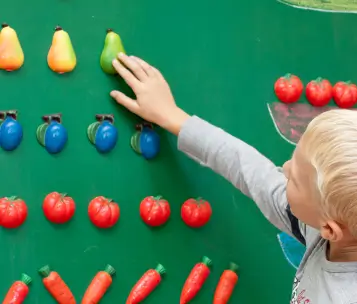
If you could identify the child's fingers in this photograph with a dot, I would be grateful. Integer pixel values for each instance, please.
(146, 67)
(133, 65)
(129, 78)
(125, 101)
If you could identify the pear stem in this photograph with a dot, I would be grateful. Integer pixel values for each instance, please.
(58, 28)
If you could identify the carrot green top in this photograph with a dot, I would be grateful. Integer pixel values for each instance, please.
(25, 279)
(234, 267)
(110, 269)
(45, 271)
(160, 269)
(207, 261)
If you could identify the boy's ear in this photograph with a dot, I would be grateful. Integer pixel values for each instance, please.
(332, 231)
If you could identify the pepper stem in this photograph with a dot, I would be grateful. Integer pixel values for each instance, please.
(157, 198)
(288, 76)
(233, 267)
(318, 79)
(160, 269)
(25, 279)
(12, 198)
(63, 195)
(207, 261)
(110, 270)
(45, 271)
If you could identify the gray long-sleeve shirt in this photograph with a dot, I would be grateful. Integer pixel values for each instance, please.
(317, 281)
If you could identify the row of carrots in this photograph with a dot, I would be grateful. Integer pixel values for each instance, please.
(145, 286)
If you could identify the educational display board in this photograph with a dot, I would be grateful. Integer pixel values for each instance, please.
(221, 61)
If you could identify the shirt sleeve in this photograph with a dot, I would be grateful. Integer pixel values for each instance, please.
(248, 170)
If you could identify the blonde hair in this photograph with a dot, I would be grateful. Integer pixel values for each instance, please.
(330, 145)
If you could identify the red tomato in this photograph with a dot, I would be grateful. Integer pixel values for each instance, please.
(154, 211)
(103, 212)
(13, 212)
(319, 92)
(345, 94)
(196, 212)
(288, 88)
(58, 207)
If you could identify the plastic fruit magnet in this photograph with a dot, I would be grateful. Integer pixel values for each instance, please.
(61, 57)
(52, 134)
(112, 47)
(11, 54)
(155, 211)
(18, 291)
(58, 207)
(102, 133)
(145, 141)
(10, 130)
(13, 212)
(103, 212)
(196, 212)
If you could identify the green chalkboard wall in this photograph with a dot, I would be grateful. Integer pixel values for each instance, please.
(221, 59)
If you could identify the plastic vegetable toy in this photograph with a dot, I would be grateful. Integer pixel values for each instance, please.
(10, 130)
(145, 141)
(99, 286)
(58, 208)
(226, 284)
(155, 211)
(56, 286)
(52, 134)
(13, 212)
(196, 212)
(112, 47)
(103, 212)
(18, 291)
(146, 285)
(102, 133)
(195, 280)
(288, 88)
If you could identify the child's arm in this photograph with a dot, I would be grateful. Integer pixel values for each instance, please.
(247, 169)
(241, 164)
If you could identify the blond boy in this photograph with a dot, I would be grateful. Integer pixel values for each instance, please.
(313, 198)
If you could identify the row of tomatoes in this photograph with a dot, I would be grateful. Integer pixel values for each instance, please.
(319, 92)
(104, 212)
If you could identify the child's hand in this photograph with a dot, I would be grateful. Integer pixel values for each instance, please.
(154, 101)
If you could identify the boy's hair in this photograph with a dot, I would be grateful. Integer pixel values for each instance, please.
(330, 144)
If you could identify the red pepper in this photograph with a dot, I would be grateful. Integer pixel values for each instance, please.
(18, 291)
(147, 283)
(226, 284)
(195, 280)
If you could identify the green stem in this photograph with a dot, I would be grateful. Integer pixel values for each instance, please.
(45, 271)
(158, 197)
(207, 261)
(348, 82)
(12, 198)
(288, 76)
(110, 269)
(234, 267)
(63, 195)
(160, 269)
(26, 279)
(318, 79)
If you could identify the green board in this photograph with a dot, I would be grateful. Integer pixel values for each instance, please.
(221, 59)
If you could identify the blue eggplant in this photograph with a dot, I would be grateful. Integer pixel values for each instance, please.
(52, 134)
(102, 133)
(146, 141)
(10, 131)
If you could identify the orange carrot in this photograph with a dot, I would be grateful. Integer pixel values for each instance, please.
(56, 286)
(18, 291)
(99, 285)
(226, 284)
